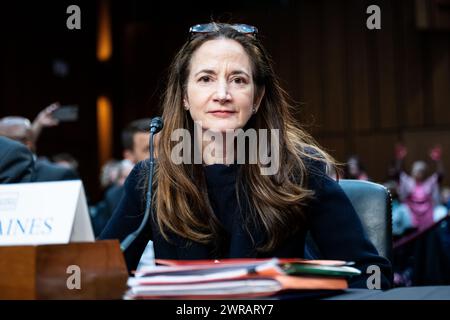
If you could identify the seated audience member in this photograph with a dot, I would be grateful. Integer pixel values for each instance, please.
(16, 162)
(401, 215)
(354, 169)
(113, 177)
(66, 160)
(101, 212)
(418, 191)
(109, 174)
(19, 129)
(423, 259)
(135, 139)
(445, 197)
(125, 168)
(222, 80)
(135, 142)
(441, 210)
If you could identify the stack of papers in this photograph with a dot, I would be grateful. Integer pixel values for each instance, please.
(236, 278)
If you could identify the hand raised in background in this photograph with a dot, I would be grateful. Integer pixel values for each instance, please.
(436, 153)
(45, 118)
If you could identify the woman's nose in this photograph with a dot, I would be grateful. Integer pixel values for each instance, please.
(222, 94)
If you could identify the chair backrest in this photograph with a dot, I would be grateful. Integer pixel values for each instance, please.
(373, 204)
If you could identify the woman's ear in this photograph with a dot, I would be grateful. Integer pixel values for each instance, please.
(185, 103)
(259, 97)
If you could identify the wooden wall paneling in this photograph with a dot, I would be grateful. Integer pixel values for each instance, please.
(348, 116)
(411, 58)
(373, 80)
(310, 65)
(287, 49)
(376, 152)
(399, 74)
(136, 63)
(358, 65)
(373, 76)
(333, 60)
(440, 78)
(386, 68)
(334, 146)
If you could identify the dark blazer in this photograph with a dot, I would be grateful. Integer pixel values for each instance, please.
(331, 219)
(47, 171)
(16, 162)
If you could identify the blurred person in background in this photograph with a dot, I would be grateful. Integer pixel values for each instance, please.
(135, 142)
(417, 191)
(16, 162)
(113, 176)
(354, 169)
(66, 160)
(109, 174)
(20, 129)
(401, 215)
(100, 212)
(424, 258)
(445, 197)
(441, 210)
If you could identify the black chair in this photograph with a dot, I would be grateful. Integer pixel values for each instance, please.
(372, 203)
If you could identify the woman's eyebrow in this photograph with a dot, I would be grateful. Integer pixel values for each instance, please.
(207, 71)
(234, 72)
(237, 72)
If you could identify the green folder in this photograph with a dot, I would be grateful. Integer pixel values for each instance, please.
(314, 269)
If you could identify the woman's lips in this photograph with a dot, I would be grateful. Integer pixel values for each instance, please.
(222, 113)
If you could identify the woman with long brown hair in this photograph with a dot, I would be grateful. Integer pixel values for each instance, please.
(237, 197)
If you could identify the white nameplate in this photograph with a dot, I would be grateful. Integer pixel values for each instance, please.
(44, 213)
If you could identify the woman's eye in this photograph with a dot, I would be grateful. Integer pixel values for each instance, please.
(239, 80)
(204, 79)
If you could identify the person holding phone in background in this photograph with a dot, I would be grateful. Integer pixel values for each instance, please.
(22, 130)
(51, 116)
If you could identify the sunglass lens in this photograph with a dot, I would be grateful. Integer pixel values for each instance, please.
(201, 28)
(245, 28)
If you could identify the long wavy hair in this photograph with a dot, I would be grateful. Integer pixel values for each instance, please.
(276, 202)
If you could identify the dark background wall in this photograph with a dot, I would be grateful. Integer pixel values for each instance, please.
(34, 40)
(357, 90)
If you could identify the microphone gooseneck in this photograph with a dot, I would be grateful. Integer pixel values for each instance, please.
(156, 124)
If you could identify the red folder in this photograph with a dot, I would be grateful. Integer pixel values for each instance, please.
(210, 263)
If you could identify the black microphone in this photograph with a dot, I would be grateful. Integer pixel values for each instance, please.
(156, 124)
